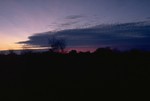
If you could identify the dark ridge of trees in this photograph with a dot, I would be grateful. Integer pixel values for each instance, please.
(105, 73)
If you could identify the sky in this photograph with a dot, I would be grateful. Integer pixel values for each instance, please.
(83, 23)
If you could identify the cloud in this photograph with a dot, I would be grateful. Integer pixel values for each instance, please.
(68, 23)
(40, 40)
(122, 36)
(148, 18)
(72, 17)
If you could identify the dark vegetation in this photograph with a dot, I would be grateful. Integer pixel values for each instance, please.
(51, 76)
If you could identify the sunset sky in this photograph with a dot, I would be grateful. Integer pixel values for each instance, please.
(83, 23)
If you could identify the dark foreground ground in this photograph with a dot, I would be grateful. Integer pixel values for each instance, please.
(75, 77)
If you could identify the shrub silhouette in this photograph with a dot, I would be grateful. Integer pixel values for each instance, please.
(73, 52)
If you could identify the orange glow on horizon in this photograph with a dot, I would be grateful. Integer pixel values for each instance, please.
(8, 42)
(10, 46)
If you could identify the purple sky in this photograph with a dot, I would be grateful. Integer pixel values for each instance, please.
(20, 19)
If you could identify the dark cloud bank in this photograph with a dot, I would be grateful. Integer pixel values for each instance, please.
(121, 36)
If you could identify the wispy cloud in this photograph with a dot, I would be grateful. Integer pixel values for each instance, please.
(123, 36)
(72, 17)
(69, 23)
(148, 18)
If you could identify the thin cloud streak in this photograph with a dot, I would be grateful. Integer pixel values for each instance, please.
(73, 17)
(69, 23)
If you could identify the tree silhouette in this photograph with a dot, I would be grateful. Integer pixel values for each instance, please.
(57, 44)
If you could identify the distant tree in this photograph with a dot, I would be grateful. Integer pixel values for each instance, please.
(11, 52)
(73, 52)
(104, 50)
(57, 44)
(2, 52)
